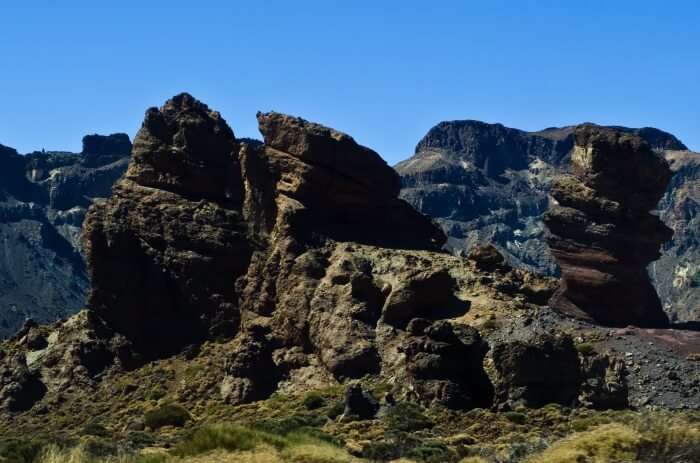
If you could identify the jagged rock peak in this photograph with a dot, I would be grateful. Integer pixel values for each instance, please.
(185, 147)
(319, 145)
(602, 234)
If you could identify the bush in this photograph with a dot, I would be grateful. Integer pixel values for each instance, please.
(95, 429)
(19, 450)
(431, 453)
(668, 440)
(515, 417)
(336, 410)
(166, 415)
(406, 417)
(316, 452)
(226, 437)
(294, 423)
(295, 446)
(585, 349)
(609, 442)
(313, 400)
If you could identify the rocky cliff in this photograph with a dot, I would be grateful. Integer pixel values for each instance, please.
(486, 183)
(43, 199)
(601, 232)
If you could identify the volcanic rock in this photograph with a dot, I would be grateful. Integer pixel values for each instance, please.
(299, 249)
(602, 234)
(537, 371)
(165, 250)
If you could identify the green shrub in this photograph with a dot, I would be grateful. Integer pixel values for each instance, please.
(610, 442)
(226, 437)
(381, 451)
(406, 417)
(95, 429)
(431, 453)
(166, 415)
(313, 400)
(155, 393)
(294, 423)
(316, 452)
(19, 450)
(515, 417)
(585, 349)
(336, 410)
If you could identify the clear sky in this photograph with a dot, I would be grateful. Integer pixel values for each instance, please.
(382, 71)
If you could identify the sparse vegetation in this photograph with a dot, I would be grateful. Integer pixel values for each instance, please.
(585, 349)
(407, 416)
(313, 400)
(166, 415)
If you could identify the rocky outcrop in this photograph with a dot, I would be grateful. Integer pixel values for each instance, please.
(536, 372)
(602, 234)
(486, 183)
(546, 369)
(290, 248)
(43, 200)
(165, 250)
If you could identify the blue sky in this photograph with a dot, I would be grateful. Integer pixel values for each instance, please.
(382, 71)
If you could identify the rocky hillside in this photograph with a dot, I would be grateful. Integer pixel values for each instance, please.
(43, 200)
(286, 288)
(486, 183)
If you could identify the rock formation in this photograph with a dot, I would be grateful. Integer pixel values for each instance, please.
(288, 247)
(602, 234)
(486, 183)
(229, 270)
(43, 200)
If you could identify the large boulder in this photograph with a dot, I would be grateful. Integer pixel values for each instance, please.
(536, 372)
(601, 232)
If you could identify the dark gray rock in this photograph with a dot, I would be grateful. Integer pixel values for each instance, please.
(536, 372)
(43, 200)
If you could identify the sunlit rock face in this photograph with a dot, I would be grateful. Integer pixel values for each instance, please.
(602, 234)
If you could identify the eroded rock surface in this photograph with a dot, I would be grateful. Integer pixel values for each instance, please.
(602, 233)
(288, 247)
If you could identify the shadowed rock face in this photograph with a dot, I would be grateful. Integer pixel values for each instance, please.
(602, 234)
(164, 251)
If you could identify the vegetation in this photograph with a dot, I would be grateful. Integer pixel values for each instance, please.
(166, 415)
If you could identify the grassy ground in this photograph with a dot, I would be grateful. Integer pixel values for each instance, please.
(307, 429)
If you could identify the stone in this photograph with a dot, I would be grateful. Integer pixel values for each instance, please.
(601, 232)
(175, 214)
(359, 404)
(535, 372)
(604, 383)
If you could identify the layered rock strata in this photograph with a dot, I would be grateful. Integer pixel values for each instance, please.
(602, 233)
